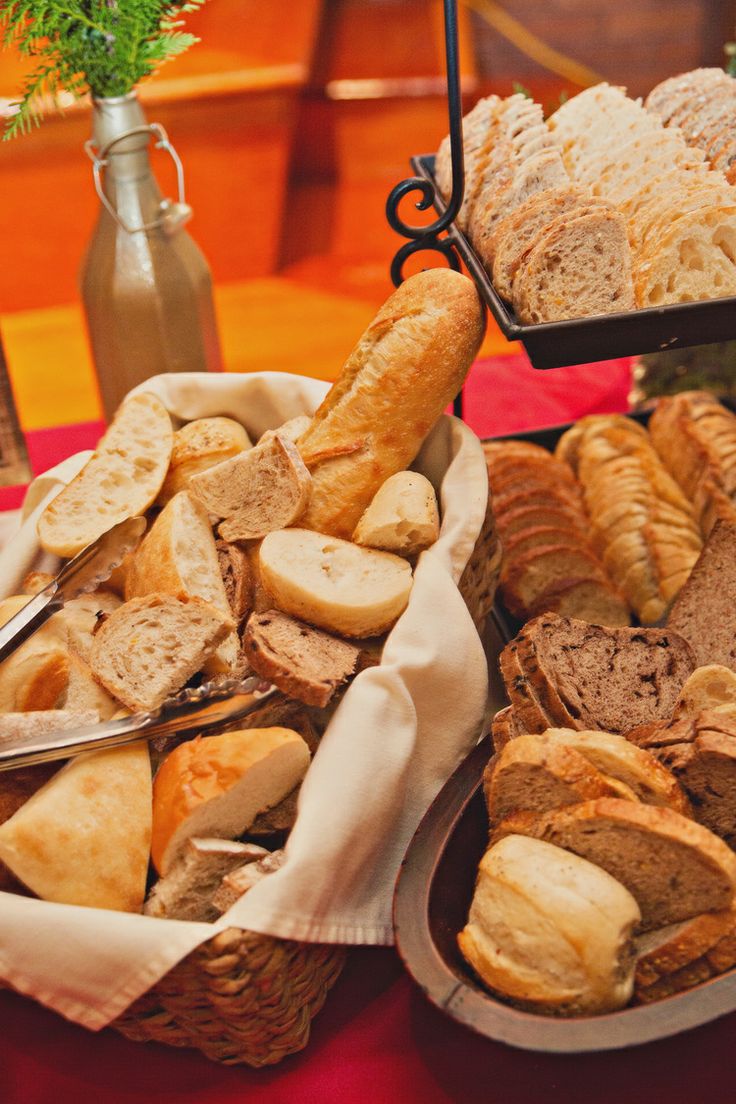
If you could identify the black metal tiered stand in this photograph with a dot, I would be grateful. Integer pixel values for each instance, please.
(549, 344)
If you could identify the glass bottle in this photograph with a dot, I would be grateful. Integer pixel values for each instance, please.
(146, 287)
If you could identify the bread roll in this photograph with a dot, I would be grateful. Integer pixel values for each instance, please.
(550, 931)
(409, 364)
(199, 445)
(331, 583)
(121, 479)
(403, 516)
(218, 785)
(84, 837)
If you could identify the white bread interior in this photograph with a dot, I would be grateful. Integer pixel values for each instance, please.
(402, 517)
(334, 584)
(549, 930)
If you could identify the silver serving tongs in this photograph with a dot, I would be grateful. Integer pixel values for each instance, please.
(189, 713)
(92, 566)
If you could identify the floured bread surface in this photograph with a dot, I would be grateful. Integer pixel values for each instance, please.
(121, 479)
(84, 838)
(150, 647)
(334, 584)
(549, 930)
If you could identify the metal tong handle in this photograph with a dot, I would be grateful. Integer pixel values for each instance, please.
(15, 631)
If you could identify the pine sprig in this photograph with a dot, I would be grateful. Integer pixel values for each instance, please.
(104, 47)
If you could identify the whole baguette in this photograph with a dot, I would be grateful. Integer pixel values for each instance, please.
(408, 365)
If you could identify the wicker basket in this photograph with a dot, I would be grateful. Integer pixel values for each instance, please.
(249, 998)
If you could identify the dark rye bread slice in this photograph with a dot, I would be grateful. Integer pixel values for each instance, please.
(611, 679)
(529, 714)
(673, 867)
(304, 662)
(704, 611)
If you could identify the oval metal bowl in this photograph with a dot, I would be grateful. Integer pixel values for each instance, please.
(431, 902)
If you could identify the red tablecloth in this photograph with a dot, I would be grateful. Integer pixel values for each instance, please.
(377, 1041)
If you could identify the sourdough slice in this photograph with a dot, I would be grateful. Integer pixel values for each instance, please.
(150, 647)
(549, 931)
(674, 868)
(266, 488)
(304, 662)
(187, 890)
(528, 575)
(121, 479)
(695, 260)
(704, 612)
(338, 586)
(593, 600)
(84, 838)
(515, 232)
(580, 267)
(84, 694)
(540, 772)
(608, 679)
(178, 557)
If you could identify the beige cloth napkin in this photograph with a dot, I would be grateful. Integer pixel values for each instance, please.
(398, 733)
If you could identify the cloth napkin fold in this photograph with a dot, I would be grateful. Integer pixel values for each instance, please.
(400, 730)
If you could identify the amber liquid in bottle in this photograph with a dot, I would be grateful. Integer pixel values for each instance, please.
(147, 293)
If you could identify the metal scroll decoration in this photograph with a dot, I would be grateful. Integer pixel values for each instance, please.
(427, 237)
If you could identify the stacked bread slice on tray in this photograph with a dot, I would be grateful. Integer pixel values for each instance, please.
(681, 213)
(548, 561)
(702, 103)
(641, 522)
(555, 251)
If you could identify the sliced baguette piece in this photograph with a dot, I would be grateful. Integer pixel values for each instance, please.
(218, 785)
(528, 575)
(84, 837)
(240, 880)
(304, 662)
(338, 586)
(199, 445)
(257, 491)
(150, 647)
(83, 693)
(187, 890)
(674, 867)
(403, 516)
(237, 578)
(541, 772)
(178, 557)
(120, 480)
(550, 931)
(593, 600)
(696, 259)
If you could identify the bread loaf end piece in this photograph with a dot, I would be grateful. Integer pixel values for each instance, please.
(408, 365)
(550, 931)
(121, 479)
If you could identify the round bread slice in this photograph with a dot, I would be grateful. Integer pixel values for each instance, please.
(334, 584)
(216, 786)
(120, 480)
(550, 931)
(674, 867)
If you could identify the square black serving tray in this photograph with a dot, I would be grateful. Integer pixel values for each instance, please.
(582, 340)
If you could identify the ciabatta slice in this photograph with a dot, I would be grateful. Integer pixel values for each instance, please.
(120, 480)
